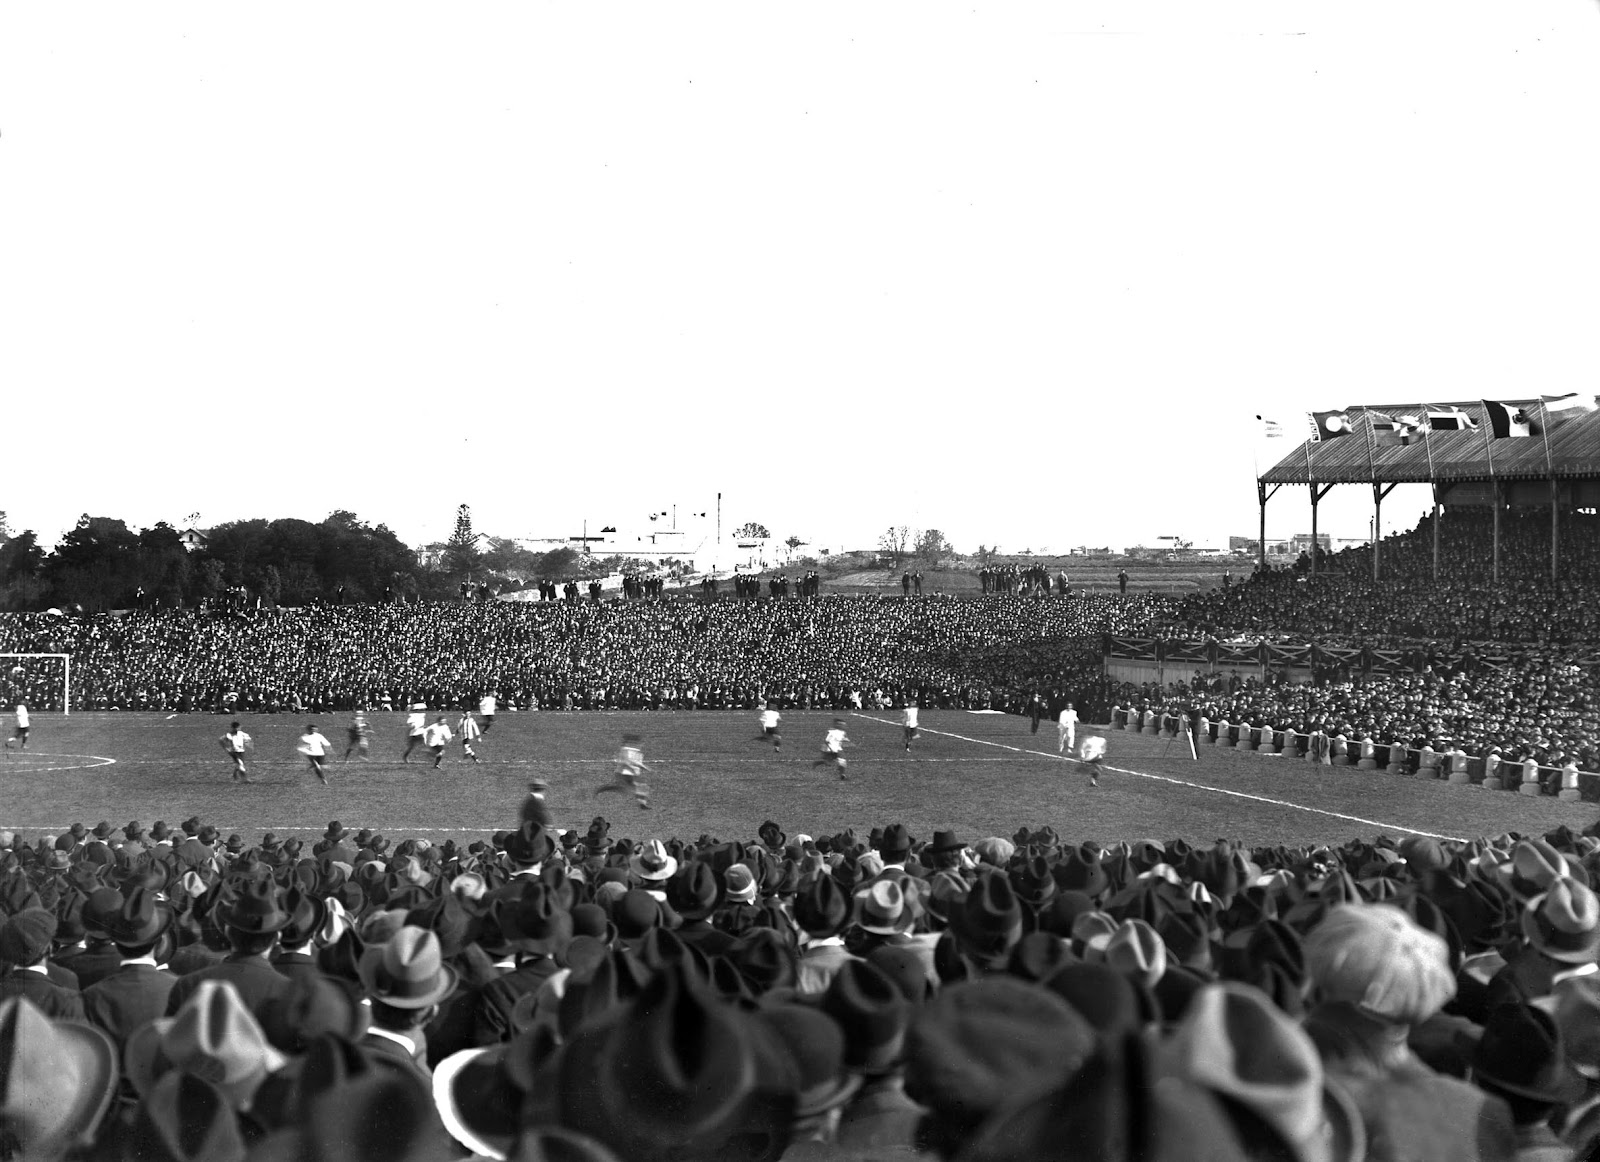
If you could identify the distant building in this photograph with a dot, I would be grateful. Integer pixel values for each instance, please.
(193, 540)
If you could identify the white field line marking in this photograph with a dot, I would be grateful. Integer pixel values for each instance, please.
(1180, 782)
(99, 761)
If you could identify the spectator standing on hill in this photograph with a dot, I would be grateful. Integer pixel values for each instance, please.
(20, 736)
(235, 743)
(1122, 582)
(416, 724)
(315, 746)
(436, 736)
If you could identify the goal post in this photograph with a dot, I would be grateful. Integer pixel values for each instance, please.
(9, 680)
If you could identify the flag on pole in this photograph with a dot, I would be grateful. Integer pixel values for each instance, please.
(1410, 427)
(1555, 405)
(1271, 429)
(1450, 419)
(1384, 426)
(1507, 420)
(1328, 425)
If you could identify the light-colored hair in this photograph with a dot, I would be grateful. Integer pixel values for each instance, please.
(994, 851)
(1378, 958)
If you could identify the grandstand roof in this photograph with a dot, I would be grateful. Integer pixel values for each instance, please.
(1566, 446)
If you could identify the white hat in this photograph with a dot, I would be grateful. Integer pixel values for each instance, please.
(653, 863)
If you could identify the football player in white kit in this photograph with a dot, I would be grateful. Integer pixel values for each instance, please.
(833, 748)
(769, 728)
(416, 723)
(908, 719)
(631, 769)
(1091, 753)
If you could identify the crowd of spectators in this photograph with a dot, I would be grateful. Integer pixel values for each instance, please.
(1344, 604)
(1513, 663)
(1507, 669)
(1545, 708)
(570, 993)
(987, 653)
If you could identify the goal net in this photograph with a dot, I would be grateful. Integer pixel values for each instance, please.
(39, 681)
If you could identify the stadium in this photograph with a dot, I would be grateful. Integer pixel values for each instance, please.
(487, 671)
(847, 827)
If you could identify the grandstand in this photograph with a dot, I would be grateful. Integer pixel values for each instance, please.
(1554, 463)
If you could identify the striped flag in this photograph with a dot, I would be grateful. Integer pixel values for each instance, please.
(1572, 403)
(1507, 420)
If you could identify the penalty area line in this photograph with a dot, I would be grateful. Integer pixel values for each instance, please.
(1177, 782)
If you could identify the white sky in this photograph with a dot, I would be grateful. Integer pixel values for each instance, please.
(1022, 272)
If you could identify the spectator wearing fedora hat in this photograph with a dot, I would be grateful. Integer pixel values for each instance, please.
(24, 946)
(1560, 938)
(1520, 1058)
(138, 991)
(886, 910)
(674, 1072)
(538, 929)
(198, 847)
(943, 851)
(57, 1082)
(212, 1034)
(96, 957)
(404, 979)
(250, 923)
(308, 911)
(652, 867)
(822, 911)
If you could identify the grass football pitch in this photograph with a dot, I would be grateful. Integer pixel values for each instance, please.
(979, 774)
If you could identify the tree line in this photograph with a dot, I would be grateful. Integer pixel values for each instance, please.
(103, 564)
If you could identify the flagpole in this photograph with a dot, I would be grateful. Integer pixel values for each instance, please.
(1372, 467)
(1426, 429)
(1488, 441)
(1544, 432)
(1311, 487)
(1494, 496)
(1555, 506)
(1372, 474)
